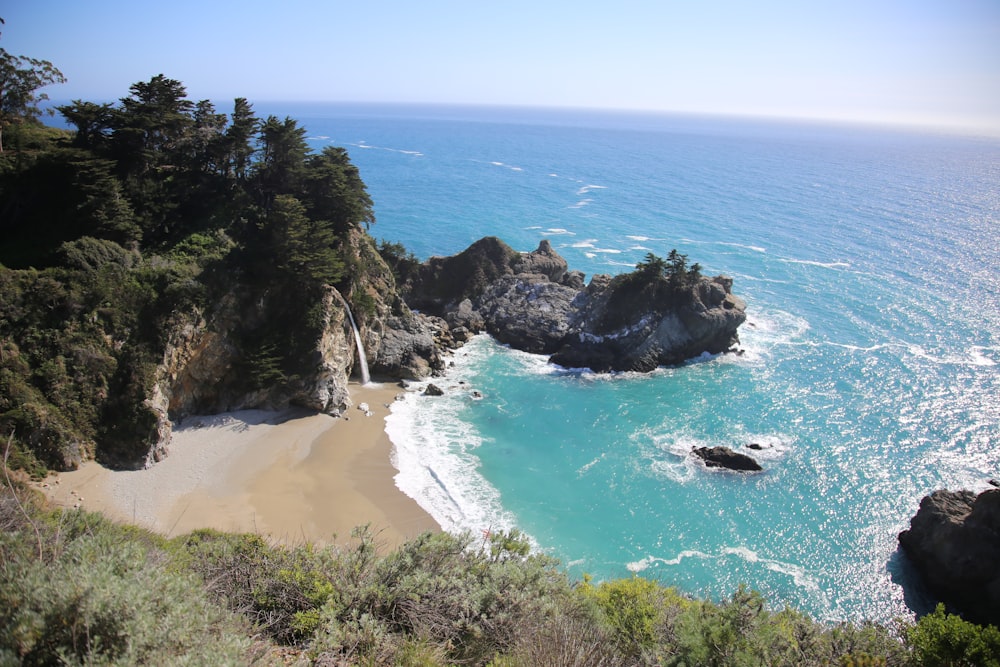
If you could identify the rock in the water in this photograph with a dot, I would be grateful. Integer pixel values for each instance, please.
(724, 457)
(433, 390)
(954, 542)
(530, 301)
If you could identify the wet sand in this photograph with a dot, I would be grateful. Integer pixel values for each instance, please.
(290, 475)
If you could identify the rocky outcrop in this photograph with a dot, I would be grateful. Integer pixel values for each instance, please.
(532, 302)
(411, 346)
(954, 542)
(726, 458)
(208, 361)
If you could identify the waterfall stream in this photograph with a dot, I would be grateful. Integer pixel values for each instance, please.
(362, 359)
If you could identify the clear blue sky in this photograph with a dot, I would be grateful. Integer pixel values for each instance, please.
(934, 61)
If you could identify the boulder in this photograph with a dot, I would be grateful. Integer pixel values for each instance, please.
(433, 390)
(724, 457)
(954, 543)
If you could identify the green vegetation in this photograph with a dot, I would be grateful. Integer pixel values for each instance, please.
(165, 209)
(674, 270)
(78, 589)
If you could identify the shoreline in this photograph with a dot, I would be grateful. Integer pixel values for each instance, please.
(290, 475)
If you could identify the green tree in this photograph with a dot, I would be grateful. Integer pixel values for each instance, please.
(20, 79)
(652, 266)
(946, 640)
(283, 154)
(93, 122)
(240, 134)
(334, 190)
(153, 124)
(302, 247)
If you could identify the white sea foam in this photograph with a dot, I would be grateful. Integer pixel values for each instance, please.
(766, 331)
(976, 356)
(581, 203)
(434, 451)
(809, 262)
(587, 466)
(799, 575)
(367, 146)
(560, 231)
(754, 248)
(587, 188)
(772, 446)
(505, 166)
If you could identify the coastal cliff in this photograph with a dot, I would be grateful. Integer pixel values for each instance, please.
(954, 542)
(532, 302)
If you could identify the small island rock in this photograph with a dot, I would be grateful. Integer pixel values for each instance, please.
(724, 457)
(433, 390)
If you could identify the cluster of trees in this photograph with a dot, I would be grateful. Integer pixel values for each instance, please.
(153, 207)
(149, 172)
(78, 589)
(674, 269)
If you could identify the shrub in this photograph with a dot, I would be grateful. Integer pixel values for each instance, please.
(99, 596)
(941, 639)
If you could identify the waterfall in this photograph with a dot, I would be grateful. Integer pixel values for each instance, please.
(362, 359)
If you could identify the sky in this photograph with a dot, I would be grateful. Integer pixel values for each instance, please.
(886, 61)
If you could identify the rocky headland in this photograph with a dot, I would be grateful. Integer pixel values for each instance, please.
(954, 543)
(533, 302)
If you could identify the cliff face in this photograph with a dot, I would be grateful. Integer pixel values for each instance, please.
(211, 358)
(954, 542)
(534, 303)
(204, 369)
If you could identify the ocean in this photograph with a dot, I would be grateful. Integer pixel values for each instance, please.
(868, 259)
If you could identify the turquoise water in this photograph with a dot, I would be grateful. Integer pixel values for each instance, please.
(869, 263)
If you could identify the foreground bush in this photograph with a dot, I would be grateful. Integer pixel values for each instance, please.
(78, 589)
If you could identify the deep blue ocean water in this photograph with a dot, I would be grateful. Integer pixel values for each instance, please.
(870, 263)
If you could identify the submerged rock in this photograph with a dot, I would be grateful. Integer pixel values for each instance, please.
(954, 542)
(724, 457)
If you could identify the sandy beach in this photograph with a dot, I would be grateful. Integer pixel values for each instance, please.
(291, 475)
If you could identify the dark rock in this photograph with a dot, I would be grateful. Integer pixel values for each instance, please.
(411, 347)
(724, 457)
(954, 542)
(433, 390)
(531, 302)
(755, 446)
(994, 482)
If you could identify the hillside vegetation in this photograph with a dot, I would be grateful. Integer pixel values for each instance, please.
(154, 209)
(77, 589)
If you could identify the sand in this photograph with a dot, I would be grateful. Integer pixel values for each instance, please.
(292, 476)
